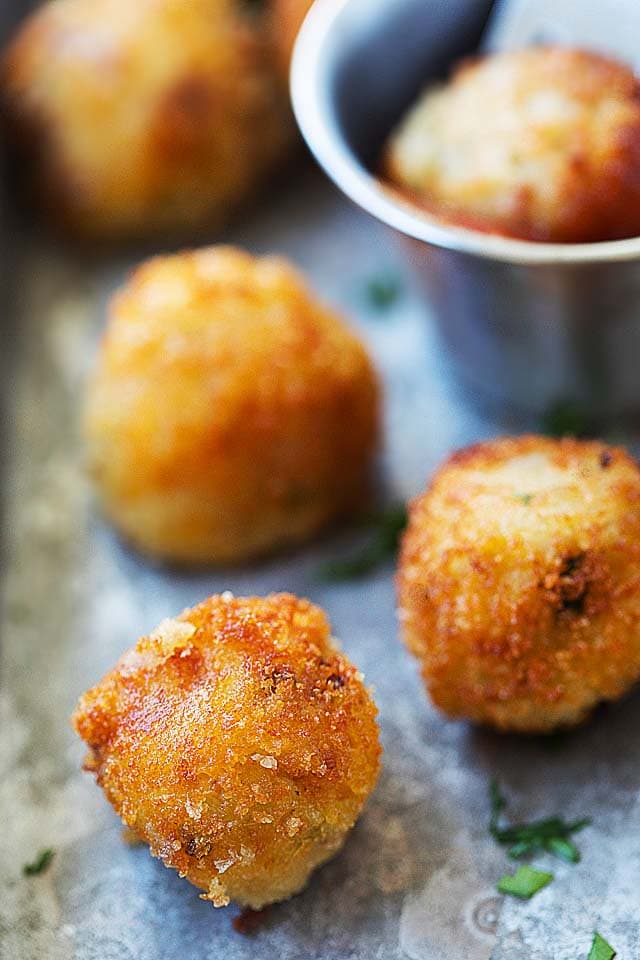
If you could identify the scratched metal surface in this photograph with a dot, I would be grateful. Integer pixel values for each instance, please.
(416, 879)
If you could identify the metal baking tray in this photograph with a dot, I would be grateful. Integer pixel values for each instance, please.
(417, 877)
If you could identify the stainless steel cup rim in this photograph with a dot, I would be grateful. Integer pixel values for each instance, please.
(310, 94)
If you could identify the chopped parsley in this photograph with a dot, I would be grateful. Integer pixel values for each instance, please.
(565, 419)
(524, 883)
(382, 292)
(552, 834)
(385, 529)
(40, 864)
(600, 949)
(525, 498)
(552, 742)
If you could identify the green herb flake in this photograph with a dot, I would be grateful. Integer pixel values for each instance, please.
(382, 292)
(385, 529)
(524, 883)
(565, 419)
(525, 498)
(550, 835)
(40, 864)
(498, 804)
(600, 949)
(554, 742)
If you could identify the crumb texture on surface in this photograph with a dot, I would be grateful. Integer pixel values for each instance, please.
(519, 581)
(541, 144)
(230, 413)
(237, 743)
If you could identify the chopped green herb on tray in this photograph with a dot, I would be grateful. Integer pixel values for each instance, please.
(524, 883)
(382, 292)
(600, 949)
(40, 864)
(565, 419)
(553, 742)
(385, 530)
(552, 834)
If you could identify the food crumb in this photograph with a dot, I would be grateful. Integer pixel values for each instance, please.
(249, 920)
(269, 763)
(131, 838)
(194, 810)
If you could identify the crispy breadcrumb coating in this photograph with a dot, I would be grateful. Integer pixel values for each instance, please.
(146, 117)
(238, 743)
(541, 144)
(230, 413)
(519, 581)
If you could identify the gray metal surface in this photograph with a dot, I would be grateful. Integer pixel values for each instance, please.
(416, 879)
(553, 322)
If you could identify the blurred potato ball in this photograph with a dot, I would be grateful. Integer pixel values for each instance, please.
(286, 20)
(519, 581)
(237, 743)
(230, 413)
(146, 117)
(541, 144)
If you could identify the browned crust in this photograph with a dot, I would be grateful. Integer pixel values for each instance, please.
(237, 742)
(525, 615)
(242, 420)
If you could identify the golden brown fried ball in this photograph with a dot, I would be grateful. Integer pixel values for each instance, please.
(144, 117)
(519, 581)
(238, 743)
(541, 144)
(230, 413)
(286, 20)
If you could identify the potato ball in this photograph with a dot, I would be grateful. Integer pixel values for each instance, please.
(230, 413)
(541, 144)
(238, 743)
(519, 581)
(286, 19)
(145, 117)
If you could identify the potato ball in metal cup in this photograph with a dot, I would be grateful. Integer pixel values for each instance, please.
(519, 581)
(230, 413)
(525, 324)
(238, 743)
(541, 144)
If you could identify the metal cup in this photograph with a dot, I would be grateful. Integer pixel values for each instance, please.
(529, 325)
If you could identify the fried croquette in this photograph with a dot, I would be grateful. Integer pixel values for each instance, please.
(519, 581)
(144, 118)
(541, 144)
(230, 414)
(238, 743)
(286, 20)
